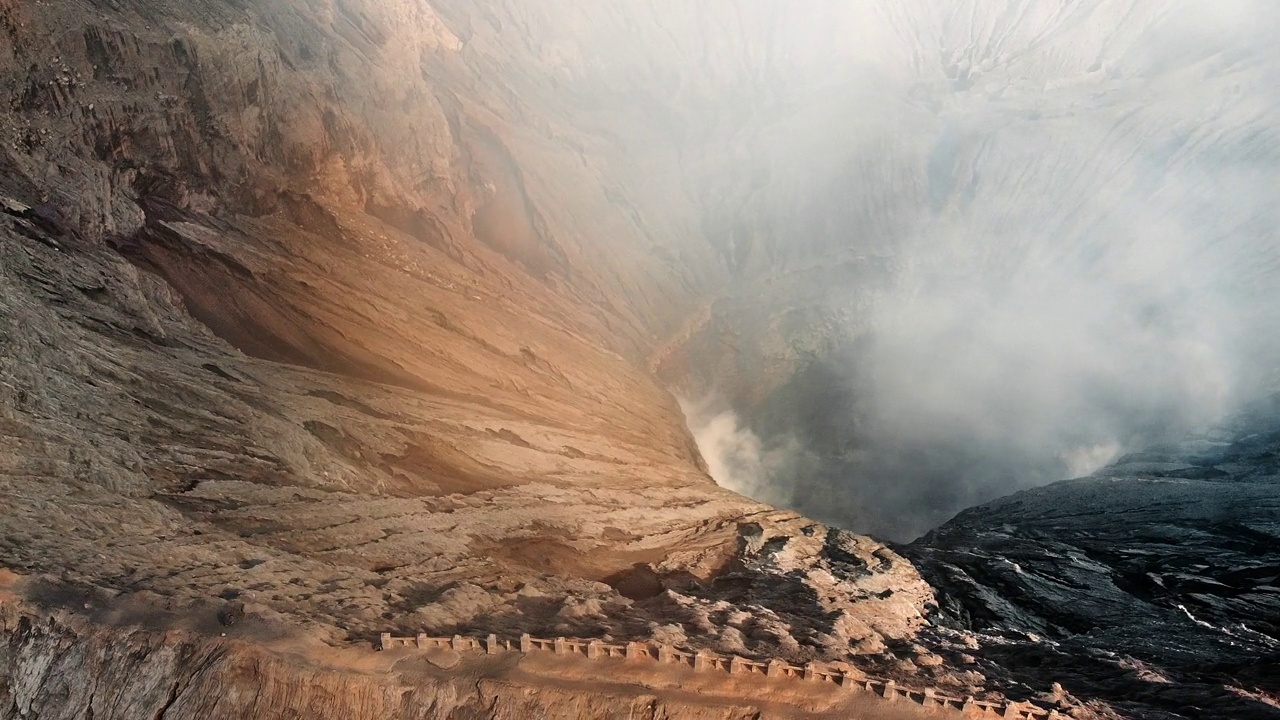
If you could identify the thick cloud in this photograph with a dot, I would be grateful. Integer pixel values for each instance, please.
(1079, 202)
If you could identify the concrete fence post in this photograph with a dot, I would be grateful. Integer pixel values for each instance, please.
(776, 668)
(561, 646)
(384, 641)
(737, 666)
(526, 643)
(595, 649)
(422, 641)
(929, 694)
(491, 645)
(664, 653)
(457, 643)
(700, 660)
(810, 672)
(890, 690)
(968, 705)
(635, 650)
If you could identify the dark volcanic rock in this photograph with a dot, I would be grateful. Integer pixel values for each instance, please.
(1154, 583)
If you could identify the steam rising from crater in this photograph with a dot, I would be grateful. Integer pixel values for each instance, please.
(1076, 209)
(736, 458)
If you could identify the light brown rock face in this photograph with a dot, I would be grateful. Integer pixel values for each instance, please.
(311, 327)
(63, 667)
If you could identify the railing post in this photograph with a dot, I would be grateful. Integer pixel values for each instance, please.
(890, 690)
(526, 643)
(775, 668)
(422, 641)
(810, 672)
(457, 643)
(928, 697)
(664, 653)
(700, 660)
(491, 645)
(595, 649)
(737, 666)
(561, 646)
(634, 650)
(384, 641)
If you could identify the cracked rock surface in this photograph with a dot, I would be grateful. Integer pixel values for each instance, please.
(1153, 582)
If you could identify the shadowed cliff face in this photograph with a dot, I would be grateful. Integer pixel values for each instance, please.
(324, 318)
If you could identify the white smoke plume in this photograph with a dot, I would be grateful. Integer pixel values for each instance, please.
(1077, 206)
(736, 458)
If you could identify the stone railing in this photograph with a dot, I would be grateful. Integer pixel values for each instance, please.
(701, 660)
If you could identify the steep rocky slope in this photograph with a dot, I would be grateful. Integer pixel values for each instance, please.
(321, 318)
(312, 328)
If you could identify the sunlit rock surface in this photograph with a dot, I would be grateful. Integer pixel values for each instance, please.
(311, 328)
